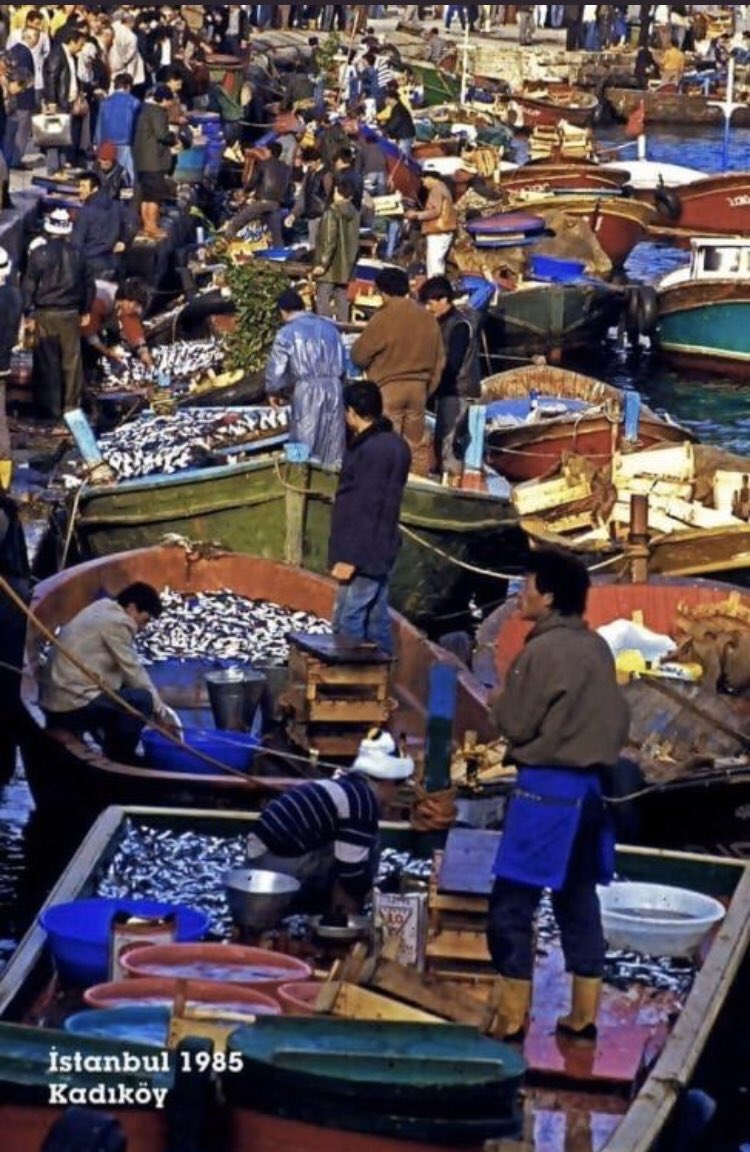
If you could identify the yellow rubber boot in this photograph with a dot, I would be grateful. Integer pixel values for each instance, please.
(511, 1001)
(581, 1022)
(6, 475)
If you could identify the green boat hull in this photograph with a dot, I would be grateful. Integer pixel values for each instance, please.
(283, 513)
(713, 336)
(440, 87)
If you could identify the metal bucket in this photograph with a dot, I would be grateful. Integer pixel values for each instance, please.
(259, 899)
(236, 695)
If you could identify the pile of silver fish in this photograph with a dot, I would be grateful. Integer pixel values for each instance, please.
(177, 868)
(183, 362)
(623, 969)
(162, 445)
(223, 626)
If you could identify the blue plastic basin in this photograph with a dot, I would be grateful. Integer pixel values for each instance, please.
(234, 749)
(79, 933)
(142, 1025)
(558, 271)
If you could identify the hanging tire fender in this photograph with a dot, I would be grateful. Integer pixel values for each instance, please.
(648, 309)
(668, 203)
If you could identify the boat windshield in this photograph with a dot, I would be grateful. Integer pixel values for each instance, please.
(727, 261)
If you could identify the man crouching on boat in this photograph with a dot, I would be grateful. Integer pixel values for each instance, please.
(325, 833)
(101, 638)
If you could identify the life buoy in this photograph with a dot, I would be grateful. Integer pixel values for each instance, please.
(668, 203)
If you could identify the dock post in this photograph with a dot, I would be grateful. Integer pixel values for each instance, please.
(441, 716)
(297, 480)
(473, 477)
(638, 539)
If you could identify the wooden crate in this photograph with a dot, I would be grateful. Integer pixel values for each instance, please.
(457, 934)
(335, 696)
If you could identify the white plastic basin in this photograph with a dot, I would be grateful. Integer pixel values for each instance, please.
(656, 919)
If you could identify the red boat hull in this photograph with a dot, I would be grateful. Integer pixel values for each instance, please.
(530, 453)
(716, 206)
(549, 113)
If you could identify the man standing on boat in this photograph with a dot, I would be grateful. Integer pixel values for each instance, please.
(306, 365)
(402, 351)
(566, 722)
(462, 376)
(365, 538)
(101, 638)
(325, 833)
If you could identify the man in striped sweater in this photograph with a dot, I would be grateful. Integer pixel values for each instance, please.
(325, 833)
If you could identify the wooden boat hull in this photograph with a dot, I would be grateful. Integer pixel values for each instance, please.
(703, 810)
(619, 224)
(623, 1123)
(530, 452)
(542, 178)
(706, 325)
(440, 87)
(63, 773)
(260, 509)
(715, 206)
(548, 113)
(670, 107)
(551, 320)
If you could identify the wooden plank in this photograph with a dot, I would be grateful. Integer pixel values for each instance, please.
(347, 712)
(337, 649)
(467, 946)
(616, 1058)
(356, 674)
(451, 1002)
(468, 905)
(355, 1003)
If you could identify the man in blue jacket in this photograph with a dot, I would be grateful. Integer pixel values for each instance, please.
(365, 537)
(117, 119)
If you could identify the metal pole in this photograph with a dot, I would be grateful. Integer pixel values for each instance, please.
(465, 64)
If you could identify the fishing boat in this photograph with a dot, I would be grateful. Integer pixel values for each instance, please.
(668, 104)
(692, 523)
(65, 772)
(618, 223)
(712, 206)
(622, 1094)
(546, 105)
(440, 85)
(539, 413)
(541, 177)
(704, 309)
(267, 508)
(554, 320)
(682, 733)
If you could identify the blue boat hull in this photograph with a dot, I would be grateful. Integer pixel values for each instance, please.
(706, 325)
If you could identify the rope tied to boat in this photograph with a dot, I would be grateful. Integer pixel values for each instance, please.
(433, 811)
(488, 572)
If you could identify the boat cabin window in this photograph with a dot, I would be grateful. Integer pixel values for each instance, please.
(728, 261)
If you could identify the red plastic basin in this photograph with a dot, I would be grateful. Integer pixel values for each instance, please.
(233, 998)
(222, 963)
(299, 999)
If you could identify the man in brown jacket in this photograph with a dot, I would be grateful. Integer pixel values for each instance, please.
(402, 351)
(438, 221)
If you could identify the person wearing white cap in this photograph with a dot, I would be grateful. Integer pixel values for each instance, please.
(58, 292)
(325, 833)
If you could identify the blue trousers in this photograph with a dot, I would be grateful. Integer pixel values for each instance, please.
(118, 731)
(361, 610)
(455, 10)
(576, 907)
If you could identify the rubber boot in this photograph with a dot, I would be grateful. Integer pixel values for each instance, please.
(511, 1000)
(581, 1022)
(6, 475)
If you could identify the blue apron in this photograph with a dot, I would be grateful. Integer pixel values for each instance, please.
(541, 825)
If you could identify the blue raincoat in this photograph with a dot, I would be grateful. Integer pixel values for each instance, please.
(307, 363)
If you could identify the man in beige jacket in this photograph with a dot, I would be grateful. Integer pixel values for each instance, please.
(402, 351)
(101, 637)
